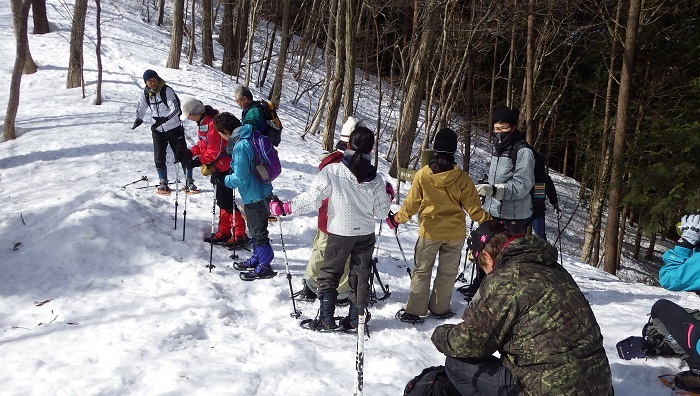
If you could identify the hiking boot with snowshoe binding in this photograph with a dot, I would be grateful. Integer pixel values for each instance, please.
(237, 242)
(190, 187)
(405, 317)
(218, 239)
(260, 272)
(446, 315)
(349, 322)
(305, 294)
(163, 188)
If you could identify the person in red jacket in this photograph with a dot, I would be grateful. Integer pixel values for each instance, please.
(210, 154)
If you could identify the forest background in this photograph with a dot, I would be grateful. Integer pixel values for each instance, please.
(608, 90)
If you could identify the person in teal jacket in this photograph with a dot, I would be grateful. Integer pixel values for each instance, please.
(255, 195)
(681, 270)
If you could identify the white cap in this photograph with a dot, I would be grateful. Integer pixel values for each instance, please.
(348, 127)
(190, 106)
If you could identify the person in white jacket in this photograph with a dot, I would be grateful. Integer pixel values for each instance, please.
(356, 197)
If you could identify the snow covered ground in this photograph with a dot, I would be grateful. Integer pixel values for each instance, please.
(100, 295)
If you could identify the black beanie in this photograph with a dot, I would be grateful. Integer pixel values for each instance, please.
(504, 114)
(149, 74)
(445, 141)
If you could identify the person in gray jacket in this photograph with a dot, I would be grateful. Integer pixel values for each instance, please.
(166, 128)
(507, 191)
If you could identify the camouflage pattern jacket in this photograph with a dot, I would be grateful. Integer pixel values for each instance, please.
(531, 311)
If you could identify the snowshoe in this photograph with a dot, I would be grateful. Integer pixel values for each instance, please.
(683, 383)
(219, 238)
(190, 187)
(260, 272)
(272, 219)
(347, 324)
(305, 295)
(446, 315)
(408, 318)
(631, 348)
(163, 188)
(318, 325)
(237, 242)
(247, 265)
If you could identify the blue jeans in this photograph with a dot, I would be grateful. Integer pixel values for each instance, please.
(487, 377)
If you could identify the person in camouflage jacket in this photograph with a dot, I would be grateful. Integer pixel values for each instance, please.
(531, 311)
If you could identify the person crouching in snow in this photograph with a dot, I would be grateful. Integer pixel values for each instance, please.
(357, 196)
(210, 154)
(255, 195)
(441, 193)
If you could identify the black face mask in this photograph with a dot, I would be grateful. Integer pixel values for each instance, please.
(502, 136)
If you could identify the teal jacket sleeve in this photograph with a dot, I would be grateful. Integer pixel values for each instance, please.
(681, 270)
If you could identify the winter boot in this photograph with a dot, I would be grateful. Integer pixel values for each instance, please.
(326, 320)
(350, 322)
(237, 241)
(224, 230)
(305, 294)
(163, 188)
(190, 187)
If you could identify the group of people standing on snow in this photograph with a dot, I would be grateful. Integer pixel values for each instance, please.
(224, 153)
(528, 307)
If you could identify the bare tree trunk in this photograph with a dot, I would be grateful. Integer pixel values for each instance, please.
(161, 12)
(285, 38)
(616, 171)
(207, 41)
(98, 51)
(227, 39)
(330, 36)
(415, 88)
(20, 16)
(652, 244)
(176, 35)
(77, 33)
(240, 34)
(351, 11)
(511, 64)
(335, 92)
(637, 244)
(191, 41)
(529, 73)
(41, 21)
(620, 238)
(600, 183)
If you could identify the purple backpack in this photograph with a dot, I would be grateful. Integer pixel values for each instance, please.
(266, 162)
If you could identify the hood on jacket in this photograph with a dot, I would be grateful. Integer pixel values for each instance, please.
(370, 171)
(445, 179)
(244, 131)
(529, 249)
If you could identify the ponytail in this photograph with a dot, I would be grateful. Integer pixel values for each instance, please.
(442, 162)
(362, 142)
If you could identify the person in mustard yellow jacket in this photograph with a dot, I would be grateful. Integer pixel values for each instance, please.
(441, 194)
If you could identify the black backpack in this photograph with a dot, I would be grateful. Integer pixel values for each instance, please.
(274, 125)
(162, 97)
(538, 191)
(432, 381)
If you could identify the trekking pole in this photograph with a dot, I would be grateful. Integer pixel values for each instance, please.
(360, 354)
(143, 178)
(559, 231)
(461, 277)
(296, 313)
(211, 239)
(177, 190)
(396, 234)
(234, 256)
(184, 218)
(373, 299)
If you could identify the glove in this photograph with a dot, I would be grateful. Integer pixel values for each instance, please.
(217, 178)
(390, 191)
(206, 170)
(279, 208)
(557, 211)
(136, 123)
(195, 163)
(690, 228)
(391, 221)
(158, 121)
(485, 190)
